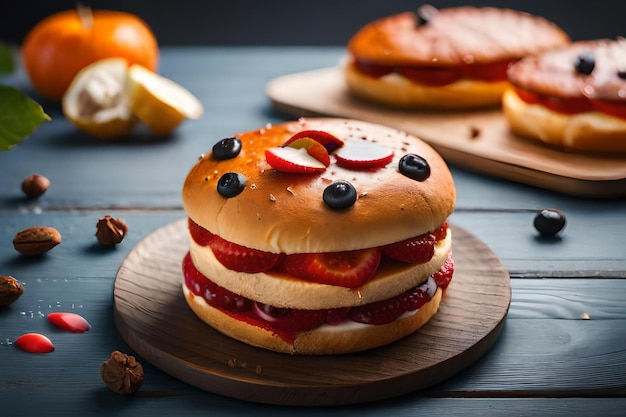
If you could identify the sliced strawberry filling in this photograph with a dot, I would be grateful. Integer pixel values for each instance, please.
(438, 76)
(573, 105)
(349, 269)
(287, 322)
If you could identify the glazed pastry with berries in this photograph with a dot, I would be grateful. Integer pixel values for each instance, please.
(318, 236)
(573, 99)
(448, 59)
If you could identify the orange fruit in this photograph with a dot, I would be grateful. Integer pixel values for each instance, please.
(59, 46)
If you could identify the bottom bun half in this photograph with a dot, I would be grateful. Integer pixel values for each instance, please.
(326, 340)
(588, 132)
(397, 91)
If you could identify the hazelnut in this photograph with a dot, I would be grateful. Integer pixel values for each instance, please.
(36, 240)
(110, 231)
(35, 185)
(122, 373)
(10, 290)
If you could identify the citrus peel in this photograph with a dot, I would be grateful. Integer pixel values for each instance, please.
(159, 102)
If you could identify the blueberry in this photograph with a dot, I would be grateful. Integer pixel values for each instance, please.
(549, 221)
(339, 195)
(231, 184)
(414, 167)
(585, 62)
(227, 148)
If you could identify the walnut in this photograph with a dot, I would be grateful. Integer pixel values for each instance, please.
(110, 231)
(10, 290)
(122, 373)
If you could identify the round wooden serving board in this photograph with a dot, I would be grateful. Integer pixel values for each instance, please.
(154, 319)
(478, 140)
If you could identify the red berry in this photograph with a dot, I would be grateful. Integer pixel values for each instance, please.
(242, 259)
(71, 322)
(212, 293)
(363, 155)
(386, 311)
(293, 160)
(418, 249)
(337, 315)
(329, 141)
(349, 269)
(444, 275)
(313, 148)
(34, 343)
(288, 319)
(199, 234)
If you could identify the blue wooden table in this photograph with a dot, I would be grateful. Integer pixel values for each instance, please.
(562, 350)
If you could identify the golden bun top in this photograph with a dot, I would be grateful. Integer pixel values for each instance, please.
(285, 213)
(593, 69)
(454, 36)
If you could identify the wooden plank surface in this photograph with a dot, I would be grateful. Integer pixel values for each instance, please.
(544, 349)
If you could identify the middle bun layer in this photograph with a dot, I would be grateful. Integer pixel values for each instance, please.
(287, 292)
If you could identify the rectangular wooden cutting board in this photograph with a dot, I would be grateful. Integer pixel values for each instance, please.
(476, 140)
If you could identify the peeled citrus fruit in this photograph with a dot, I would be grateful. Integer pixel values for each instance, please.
(107, 98)
(97, 101)
(159, 102)
(59, 46)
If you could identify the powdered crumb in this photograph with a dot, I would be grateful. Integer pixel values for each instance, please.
(474, 132)
(258, 370)
(585, 316)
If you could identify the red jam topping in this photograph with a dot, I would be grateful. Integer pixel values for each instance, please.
(573, 105)
(287, 323)
(438, 76)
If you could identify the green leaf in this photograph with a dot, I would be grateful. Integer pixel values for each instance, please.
(19, 116)
(6, 60)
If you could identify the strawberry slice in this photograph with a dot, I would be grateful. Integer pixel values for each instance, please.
(329, 141)
(211, 292)
(292, 160)
(386, 311)
(313, 148)
(198, 233)
(242, 259)
(288, 319)
(349, 269)
(444, 275)
(414, 250)
(363, 155)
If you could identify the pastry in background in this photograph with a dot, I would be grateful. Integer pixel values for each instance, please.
(448, 59)
(573, 98)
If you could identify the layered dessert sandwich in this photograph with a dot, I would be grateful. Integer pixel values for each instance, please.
(573, 98)
(447, 59)
(318, 236)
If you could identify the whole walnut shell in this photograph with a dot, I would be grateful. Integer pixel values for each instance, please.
(10, 290)
(122, 373)
(110, 231)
